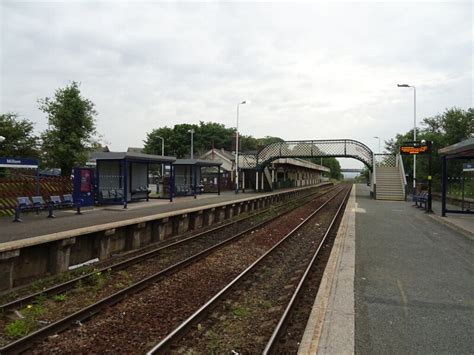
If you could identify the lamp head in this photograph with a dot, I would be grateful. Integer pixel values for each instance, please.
(2, 138)
(403, 85)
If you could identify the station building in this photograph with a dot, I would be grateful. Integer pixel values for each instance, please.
(281, 173)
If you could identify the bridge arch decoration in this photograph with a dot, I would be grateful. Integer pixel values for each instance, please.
(338, 148)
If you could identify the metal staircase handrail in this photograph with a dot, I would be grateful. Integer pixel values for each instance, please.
(402, 172)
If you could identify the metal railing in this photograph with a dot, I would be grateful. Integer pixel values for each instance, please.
(402, 173)
(315, 148)
(385, 160)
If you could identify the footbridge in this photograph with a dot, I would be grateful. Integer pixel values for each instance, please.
(388, 167)
(337, 148)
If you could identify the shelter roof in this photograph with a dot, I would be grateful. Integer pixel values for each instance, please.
(464, 149)
(198, 162)
(133, 156)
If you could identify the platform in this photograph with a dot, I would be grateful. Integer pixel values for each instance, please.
(37, 225)
(412, 289)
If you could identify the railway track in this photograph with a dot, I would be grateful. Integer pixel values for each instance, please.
(237, 225)
(217, 237)
(253, 313)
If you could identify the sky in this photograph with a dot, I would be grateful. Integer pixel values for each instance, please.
(312, 70)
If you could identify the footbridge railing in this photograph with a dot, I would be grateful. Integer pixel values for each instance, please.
(338, 148)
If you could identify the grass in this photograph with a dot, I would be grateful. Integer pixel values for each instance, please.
(20, 327)
(60, 298)
(213, 343)
(128, 278)
(23, 326)
(240, 311)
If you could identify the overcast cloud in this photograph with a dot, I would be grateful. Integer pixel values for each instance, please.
(311, 70)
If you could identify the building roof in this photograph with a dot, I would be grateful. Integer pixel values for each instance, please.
(230, 156)
(302, 163)
(134, 150)
(464, 149)
(197, 162)
(132, 156)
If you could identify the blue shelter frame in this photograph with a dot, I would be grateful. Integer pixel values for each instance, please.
(123, 176)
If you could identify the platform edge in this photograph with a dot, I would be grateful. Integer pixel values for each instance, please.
(337, 282)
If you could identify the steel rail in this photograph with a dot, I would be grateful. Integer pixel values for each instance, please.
(179, 331)
(269, 348)
(67, 285)
(27, 341)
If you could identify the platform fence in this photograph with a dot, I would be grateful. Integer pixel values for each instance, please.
(13, 187)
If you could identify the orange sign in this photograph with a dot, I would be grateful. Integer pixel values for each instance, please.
(414, 150)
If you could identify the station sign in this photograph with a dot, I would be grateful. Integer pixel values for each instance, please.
(18, 163)
(468, 167)
(415, 148)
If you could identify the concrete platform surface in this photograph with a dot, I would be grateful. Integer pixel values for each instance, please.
(38, 225)
(414, 282)
(463, 223)
(330, 327)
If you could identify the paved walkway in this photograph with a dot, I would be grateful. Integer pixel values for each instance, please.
(414, 282)
(36, 225)
(412, 289)
(464, 223)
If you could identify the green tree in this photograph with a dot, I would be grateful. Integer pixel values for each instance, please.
(206, 136)
(20, 140)
(331, 163)
(71, 120)
(450, 127)
(248, 144)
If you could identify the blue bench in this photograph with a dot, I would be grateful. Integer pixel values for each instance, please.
(66, 202)
(25, 204)
(37, 204)
(421, 200)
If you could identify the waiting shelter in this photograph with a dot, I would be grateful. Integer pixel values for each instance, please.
(194, 176)
(122, 177)
(461, 156)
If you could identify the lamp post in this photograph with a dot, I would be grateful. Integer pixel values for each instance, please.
(162, 154)
(376, 137)
(237, 148)
(192, 142)
(414, 127)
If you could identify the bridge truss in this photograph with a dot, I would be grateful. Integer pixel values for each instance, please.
(338, 148)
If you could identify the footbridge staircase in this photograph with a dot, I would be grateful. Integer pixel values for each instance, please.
(388, 177)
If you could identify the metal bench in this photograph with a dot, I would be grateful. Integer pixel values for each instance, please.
(25, 204)
(421, 199)
(35, 204)
(68, 200)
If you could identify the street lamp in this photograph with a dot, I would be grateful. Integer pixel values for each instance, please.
(192, 142)
(414, 127)
(2, 138)
(379, 142)
(162, 154)
(237, 148)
